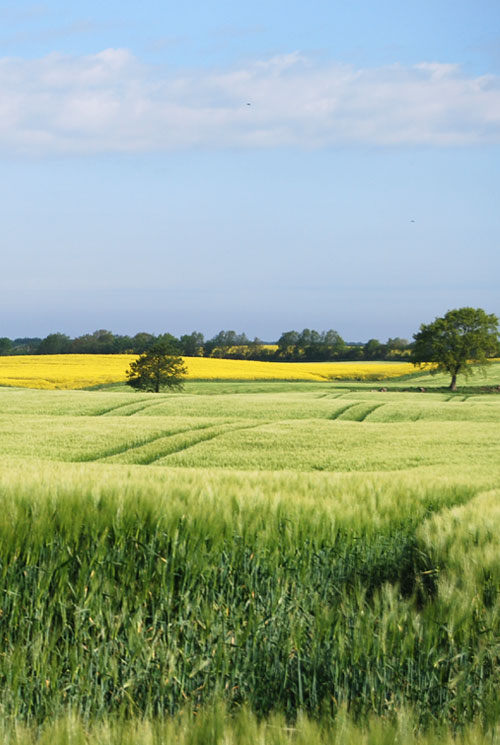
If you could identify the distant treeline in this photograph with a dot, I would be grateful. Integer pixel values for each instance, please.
(308, 345)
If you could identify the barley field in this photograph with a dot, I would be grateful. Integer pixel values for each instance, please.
(251, 562)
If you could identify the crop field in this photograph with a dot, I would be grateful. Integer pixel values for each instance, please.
(251, 562)
(70, 371)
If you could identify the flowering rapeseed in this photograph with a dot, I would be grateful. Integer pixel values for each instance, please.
(70, 371)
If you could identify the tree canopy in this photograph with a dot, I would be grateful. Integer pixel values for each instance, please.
(460, 339)
(156, 369)
(311, 345)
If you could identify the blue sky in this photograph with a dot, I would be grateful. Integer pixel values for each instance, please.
(140, 191)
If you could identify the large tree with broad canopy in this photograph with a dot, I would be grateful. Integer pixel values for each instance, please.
(461, 339)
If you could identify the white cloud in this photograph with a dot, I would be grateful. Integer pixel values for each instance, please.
(110, 101)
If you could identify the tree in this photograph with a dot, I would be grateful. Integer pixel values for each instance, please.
(101, 341)
(55, 344)
(192, 344)
(462, 337)
(397, 347)
(5, 345)
(373, 350)
(335, 345)
(26, 345)
(287, 344)
(310, 344)
(221, 345)
(122, 343)
(171, 342)
(397, 343)
(142, 341)
(156, 369)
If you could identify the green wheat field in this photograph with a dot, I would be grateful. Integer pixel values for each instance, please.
(251, 563)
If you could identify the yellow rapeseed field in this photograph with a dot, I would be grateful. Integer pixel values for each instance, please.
(208, 368)
(67, 371)
(63, 370)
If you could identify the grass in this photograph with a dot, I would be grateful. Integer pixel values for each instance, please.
(300, 562)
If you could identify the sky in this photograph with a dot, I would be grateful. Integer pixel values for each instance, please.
(260, 166)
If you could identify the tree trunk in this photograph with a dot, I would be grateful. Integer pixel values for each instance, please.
(453, 384)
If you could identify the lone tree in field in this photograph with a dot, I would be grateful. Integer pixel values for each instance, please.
(156, 369)
(461, 338)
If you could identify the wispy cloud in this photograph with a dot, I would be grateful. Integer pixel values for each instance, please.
(110, 101)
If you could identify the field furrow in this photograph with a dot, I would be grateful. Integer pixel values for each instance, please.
(160, 448)
(139, 445)
(111, 410)
(368, 412)
(134, 408)
(230, 428)
(357, 412)
(341, 410)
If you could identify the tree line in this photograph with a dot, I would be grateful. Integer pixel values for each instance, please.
(459, 342)
(308, 345)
